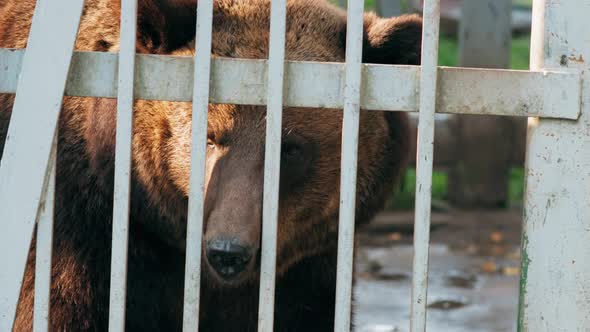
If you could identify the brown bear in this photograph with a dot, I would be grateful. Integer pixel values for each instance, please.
(309, 187)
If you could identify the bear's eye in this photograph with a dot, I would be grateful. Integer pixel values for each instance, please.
(291, 151)
(210, 144)
(297, 154)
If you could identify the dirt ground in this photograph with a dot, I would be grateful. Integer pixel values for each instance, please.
(473, 279)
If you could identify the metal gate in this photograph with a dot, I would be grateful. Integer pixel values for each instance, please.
(555, 95)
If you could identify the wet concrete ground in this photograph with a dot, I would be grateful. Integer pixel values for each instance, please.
(473, 280)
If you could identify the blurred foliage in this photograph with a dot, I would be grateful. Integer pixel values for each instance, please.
(519, 57)
(448, 56)
(404, 196)
(526, 3)
(516, 186)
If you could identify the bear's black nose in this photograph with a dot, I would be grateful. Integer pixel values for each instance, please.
(228, 257)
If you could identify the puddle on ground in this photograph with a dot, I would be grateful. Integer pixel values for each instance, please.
(460, 280)
(392, 276)
(462, 297)
(446, 304)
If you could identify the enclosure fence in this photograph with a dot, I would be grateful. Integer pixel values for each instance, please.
(555, 95)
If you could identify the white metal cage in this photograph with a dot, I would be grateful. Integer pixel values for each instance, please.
(555, 280)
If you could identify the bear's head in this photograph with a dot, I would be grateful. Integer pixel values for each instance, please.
(311, 140)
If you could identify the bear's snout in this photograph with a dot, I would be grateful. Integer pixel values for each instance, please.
(228, 256)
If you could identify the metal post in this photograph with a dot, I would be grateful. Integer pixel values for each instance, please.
(555, 277)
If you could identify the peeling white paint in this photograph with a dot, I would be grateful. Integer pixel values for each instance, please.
(555, 282)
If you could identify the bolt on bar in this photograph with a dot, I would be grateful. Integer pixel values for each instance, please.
(350, 133)
(194, 233)
(122, 166)
(24, 171)
(272, 164)
(428, 85)
(44, 250)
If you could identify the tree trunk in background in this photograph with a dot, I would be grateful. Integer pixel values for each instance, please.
(483, 144)
(388, 8)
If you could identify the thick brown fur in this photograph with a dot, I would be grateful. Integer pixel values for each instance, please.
(309, 199)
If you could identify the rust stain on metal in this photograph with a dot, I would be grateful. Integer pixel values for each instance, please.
(578, 59)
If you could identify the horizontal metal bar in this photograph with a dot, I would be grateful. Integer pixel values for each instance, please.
(321, 85)
(509, 92)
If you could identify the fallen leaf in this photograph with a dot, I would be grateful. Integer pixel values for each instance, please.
(471, 249)
(514, 255)
(374, 266)
(461, 281)
(392, 276)
(496, 237)
(489, 267)
(511, 270)
(395, 236)
(447, 304)
(498, 250)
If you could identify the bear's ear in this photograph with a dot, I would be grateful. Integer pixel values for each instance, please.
(165, 25)
(396, 40)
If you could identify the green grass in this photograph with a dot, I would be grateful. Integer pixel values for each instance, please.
(516, 186)
(448, 51)
(404, 196)
(519, 57)
(527, 3)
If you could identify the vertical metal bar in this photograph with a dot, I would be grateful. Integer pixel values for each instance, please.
(428, 85)
(192, 281)
(44, 249)
(24, 171)
(350, 133)
(272, 164)
(122, 166)
(555, 275)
